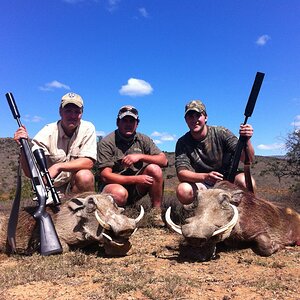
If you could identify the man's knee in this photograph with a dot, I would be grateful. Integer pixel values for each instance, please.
(83, 180)
(154, 171)
(118, 192)
(185, 193)
(240, 180)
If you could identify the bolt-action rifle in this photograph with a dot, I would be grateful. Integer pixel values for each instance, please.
(36, 163)
(243, 140)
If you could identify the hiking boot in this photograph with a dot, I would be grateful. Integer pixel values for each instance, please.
(156, 218)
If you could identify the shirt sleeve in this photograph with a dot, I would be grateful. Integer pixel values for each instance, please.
(105, 154)
(150, 146)
(182, 161)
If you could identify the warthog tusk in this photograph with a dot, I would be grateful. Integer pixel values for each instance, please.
(107, 236)
(111, 240)
(173, 226)
(135, 230)
(229, 226)
(101, 222)
(141, 215)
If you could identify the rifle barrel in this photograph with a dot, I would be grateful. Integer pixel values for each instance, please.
(254, 94)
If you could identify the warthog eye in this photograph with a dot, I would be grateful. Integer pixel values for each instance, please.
(224, 200)
(91, 206)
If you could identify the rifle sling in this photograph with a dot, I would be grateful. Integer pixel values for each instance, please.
(14, 214)
(247, 171)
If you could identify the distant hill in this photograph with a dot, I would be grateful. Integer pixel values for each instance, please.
(267, 184)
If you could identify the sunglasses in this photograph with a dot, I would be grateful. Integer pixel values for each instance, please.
(128, 108)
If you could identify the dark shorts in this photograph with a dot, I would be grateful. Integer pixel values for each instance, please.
(133, 194)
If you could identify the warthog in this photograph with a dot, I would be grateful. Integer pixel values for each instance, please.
(87, 219)
(239, 218)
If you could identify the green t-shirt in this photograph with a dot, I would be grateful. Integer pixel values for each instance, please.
(213, 153)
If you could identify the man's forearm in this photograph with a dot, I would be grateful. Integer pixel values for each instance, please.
(76, 164)
(250, 152)
(108, 177)
(159, 159)
(24, 164)
(189, 176)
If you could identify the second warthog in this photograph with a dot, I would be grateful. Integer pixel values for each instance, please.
(226, 213)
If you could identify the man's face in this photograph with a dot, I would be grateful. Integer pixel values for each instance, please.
(70, 117)
(196, 121)
(127, 126)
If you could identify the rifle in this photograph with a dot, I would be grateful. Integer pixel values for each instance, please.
(242, 140)
(49, 241)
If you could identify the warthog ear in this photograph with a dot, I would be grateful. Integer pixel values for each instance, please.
(76, 204)
(236, 197)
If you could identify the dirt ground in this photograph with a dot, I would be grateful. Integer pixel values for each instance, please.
(152, 270)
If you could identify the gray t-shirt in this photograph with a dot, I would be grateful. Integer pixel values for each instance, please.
(113, 147)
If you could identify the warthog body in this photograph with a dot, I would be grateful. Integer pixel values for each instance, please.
(89, 219)
(226, 213)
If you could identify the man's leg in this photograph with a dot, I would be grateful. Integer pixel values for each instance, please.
(83, 181)
(186, 192)
(156, 189)
(118, 192)
(240, 181)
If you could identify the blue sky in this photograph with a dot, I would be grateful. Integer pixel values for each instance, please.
(156, 55)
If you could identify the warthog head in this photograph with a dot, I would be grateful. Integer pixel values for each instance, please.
(212, 221)
(100, 219)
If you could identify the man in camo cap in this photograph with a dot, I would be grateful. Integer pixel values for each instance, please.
(204, 153)
(69, 146)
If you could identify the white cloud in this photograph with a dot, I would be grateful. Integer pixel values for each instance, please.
(34, 119)
(157, 142)
(274, 146)
(263, 39)
(296, 123)
(50, 86)
(112, 5)
(156, 133)
(100, 133)
(136, 87)
(162, 137)
(143, 12)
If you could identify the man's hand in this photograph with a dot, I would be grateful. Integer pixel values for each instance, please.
(130, 159)
(144, 179)
(20, 133)
(246, 131)
(55, 170)
(213, 177)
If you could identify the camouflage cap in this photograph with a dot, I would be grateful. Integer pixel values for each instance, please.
(71, 98)
(195, 105)
(128, 110)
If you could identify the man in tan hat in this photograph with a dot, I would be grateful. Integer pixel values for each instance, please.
(204, 153)
(69, 145)
(130, 163)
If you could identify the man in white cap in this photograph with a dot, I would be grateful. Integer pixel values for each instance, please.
(69, 146)
(130, 163)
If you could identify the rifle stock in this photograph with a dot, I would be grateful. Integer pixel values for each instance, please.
(230, 176)
(49, 241)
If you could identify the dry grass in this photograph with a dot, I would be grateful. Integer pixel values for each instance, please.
(154, 268)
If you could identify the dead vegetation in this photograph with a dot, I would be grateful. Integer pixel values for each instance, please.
(154, 267)
(153, 270)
